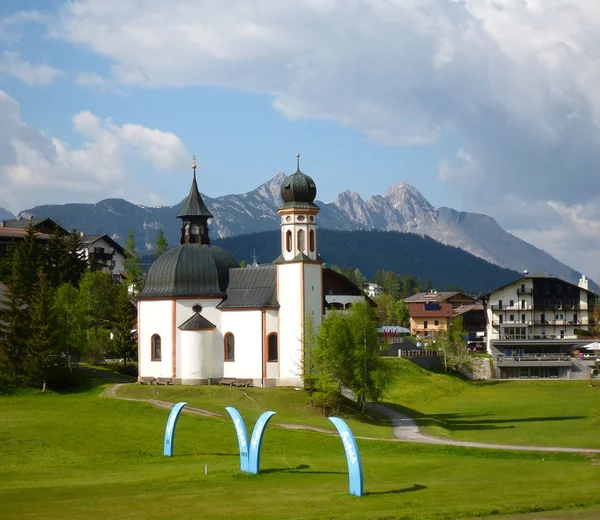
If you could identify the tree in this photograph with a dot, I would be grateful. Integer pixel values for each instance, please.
(27, 260)
(383, 301)
(97, 295)
(332, 359)
(74, 264)
(454, 347)
(161, 243)
(56, 257)
(70, 321)
(14, 331)
(398, 313)
(124, 342)
(132, 265)
(347, 356)
(369, 372)
(43, 354)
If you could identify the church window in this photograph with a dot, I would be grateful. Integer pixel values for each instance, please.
(155, 347)
(273, 353)
(311, 239)
(300, 240)
(288, 241)
(229, 347)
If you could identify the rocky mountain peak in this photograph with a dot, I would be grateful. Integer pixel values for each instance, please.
(271, 190)
(402, 193)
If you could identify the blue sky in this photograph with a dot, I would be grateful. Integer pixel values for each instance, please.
(482, 106)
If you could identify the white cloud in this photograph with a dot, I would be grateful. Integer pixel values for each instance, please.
(37, 169)
(514, 82)
(11, 64)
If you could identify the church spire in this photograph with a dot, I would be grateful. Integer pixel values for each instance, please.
(194, 215)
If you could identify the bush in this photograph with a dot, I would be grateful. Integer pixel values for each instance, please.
(130, 370)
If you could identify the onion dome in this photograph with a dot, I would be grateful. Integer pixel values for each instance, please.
(298, 190)
(189, 270)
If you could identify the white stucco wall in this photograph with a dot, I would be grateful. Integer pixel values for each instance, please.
(197, 362)
(214, 347)
(155, 317)
(246, 326)
(289, 296)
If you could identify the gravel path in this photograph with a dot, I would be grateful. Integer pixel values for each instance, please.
(405, 429)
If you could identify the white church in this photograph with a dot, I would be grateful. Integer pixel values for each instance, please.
(202, 318)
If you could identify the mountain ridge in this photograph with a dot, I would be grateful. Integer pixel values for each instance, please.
(402, 208)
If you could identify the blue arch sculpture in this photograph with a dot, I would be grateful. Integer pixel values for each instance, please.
(249, 452)
(352, 456)
(256, 442)
(170, 429)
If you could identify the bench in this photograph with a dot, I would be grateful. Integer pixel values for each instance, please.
(243, 382)
(146, 380)
(230, 381)
(164, 380)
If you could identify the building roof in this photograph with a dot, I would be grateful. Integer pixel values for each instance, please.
(189, 270)
(252, 287)
(463, 309)
(197, 322)
(298, 191)
(540, 275)
(194, 205)
(426, 297)
(24, 222)
(90, 239)
(20, 233)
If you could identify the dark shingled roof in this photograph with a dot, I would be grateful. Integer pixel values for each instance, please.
(298, 191)
(254, 287)
(189, 270)
(197, 322)
(90, 239)
(24, 222)
(194, 205)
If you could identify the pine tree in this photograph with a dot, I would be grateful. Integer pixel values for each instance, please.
(74, 263)
(124, 342)
(132, 265)
(55, 257)
(28, 257)
(70, 321)
(14, 331)
(161, 243)
(43, 352)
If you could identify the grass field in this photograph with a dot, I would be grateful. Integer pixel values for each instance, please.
(544, 413)
(80, 456)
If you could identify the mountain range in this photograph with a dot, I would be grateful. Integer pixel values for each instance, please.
(403, 208)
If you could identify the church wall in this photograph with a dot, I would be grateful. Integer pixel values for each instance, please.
(214, 354)
(246, 327)
(156, 317)
(290, 296)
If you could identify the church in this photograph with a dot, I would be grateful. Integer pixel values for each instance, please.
(202, 318)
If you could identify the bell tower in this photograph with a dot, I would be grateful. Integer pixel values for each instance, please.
(194, 216)
(299, 274)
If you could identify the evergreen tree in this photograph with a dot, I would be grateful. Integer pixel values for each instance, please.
(14, 331)
(124, 342)
(28, 257)
(55, 257)
(43, 354)
(161, 243)
(132, 265)
(70, 321)
(74, 263)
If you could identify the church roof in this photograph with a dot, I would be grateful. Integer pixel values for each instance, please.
(194, 205)
(189, 270)
(298, 191)
(254, 287)
(197, 322)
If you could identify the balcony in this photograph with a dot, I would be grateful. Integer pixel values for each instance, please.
(536, 337)
(525, 291)
(514, 307)
(555, 360)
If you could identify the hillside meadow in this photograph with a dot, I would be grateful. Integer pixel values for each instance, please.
(78, 455)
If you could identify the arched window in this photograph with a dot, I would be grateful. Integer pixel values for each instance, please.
(311, 240)
(155, 348)
(229, 347)
(300, 240)
(288, 241)
(273, 353)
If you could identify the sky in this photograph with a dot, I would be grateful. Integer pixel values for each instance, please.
(488, 106)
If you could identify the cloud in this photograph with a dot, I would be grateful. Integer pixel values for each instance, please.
(513, 81)
(11, 64)
(37, 169)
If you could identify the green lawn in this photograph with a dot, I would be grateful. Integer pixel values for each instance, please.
(80, 456)
(292, 406)
(545, 413)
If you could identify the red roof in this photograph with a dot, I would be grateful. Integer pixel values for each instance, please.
(19, 233)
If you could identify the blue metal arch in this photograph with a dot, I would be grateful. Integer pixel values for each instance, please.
(352, 456)
(170, 429)
(242, 436)
(256, 442)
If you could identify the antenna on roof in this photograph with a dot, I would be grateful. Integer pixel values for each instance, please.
(525, 272)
